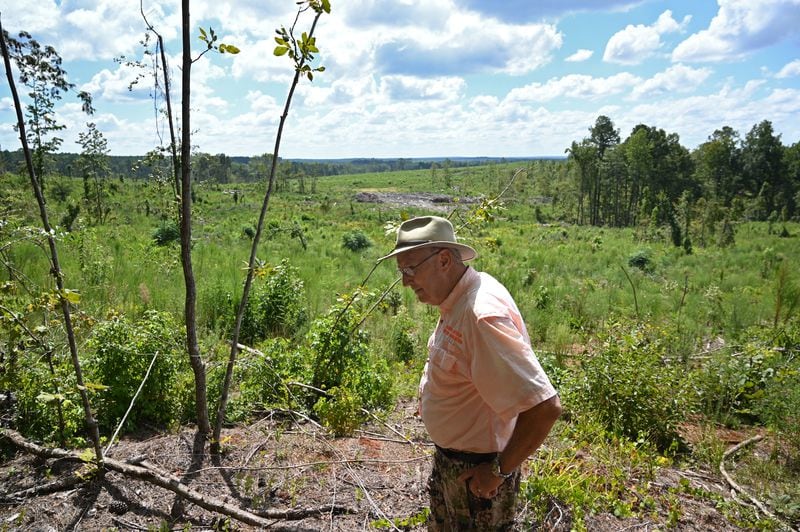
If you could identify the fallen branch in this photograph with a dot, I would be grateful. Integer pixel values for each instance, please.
(160, 479)
(61, 484)
(760, 505)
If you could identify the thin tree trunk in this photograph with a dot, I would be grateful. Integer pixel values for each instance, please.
(223, 399)
(190, 316)
(91, 423)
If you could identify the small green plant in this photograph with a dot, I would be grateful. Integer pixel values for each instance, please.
(276, 306)
(404, 339)
(627, 386)
(404, 523)
(340, 411)
(355, 241)
(122, 350)
(642, 260)
(166, 233)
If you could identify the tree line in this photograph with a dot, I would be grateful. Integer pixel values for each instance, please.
(651, 176)
(222, 168)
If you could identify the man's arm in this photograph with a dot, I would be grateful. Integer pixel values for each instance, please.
(532, 427)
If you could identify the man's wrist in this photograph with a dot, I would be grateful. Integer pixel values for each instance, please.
(497, 469)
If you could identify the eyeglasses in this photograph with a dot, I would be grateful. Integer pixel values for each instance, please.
(410, 271)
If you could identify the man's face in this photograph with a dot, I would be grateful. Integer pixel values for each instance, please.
(421, 271)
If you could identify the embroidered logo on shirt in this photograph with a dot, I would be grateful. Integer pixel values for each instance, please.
(453, 334)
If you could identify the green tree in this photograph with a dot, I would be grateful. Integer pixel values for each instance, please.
(584, 156)
(763, 170)
(602, 136)
(41, 72)
(93, 164)
(791, 160)
(718, 165)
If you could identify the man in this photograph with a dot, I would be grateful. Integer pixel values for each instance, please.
(484, 398)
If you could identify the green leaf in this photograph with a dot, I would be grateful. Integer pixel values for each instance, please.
(320, 69)
(310, 76)
(71, 295)
(49, 397)
(95, 386)
(280, 50)
(231, 49)
(281, 41)
(326, 6)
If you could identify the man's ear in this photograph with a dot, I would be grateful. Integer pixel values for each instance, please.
(446, 259)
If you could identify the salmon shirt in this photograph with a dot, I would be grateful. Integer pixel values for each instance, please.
(481, 371)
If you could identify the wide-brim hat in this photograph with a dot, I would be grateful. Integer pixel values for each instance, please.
(428, 232)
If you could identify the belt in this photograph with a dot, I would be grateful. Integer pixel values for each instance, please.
(465, 456)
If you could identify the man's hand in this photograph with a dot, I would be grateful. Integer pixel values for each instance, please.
(481, 481)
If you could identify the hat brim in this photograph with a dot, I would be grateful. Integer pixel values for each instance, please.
(466, 252)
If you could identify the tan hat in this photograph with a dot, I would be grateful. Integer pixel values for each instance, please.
(428, 232)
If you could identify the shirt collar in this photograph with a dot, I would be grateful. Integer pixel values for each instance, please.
(463, 284)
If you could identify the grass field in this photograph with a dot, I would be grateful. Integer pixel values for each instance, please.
(718, 323)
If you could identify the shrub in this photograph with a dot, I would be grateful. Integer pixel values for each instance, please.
(341, 359)
(276, 306)
(166, 233)
(340, 411)
(121, 353)
(732, 382)
(264, 379)
(355, 241)
(627, 386)
(642, 260)
(404, 339)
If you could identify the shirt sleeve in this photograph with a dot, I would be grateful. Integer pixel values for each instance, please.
(505, 371)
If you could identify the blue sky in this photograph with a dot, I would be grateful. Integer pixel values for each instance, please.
(424, 78)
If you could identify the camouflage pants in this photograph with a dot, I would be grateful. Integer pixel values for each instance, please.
(455, 509)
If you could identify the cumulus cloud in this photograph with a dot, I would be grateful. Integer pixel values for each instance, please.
(789, 70)
(581, 55)
(574, 86)
(525, 10)
(634, 44)
(469, 45)
(410, 88)
(740, 27)
(676, 79)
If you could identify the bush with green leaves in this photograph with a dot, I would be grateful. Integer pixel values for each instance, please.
(342, 360)
(627, 385)
(642, 259)
(276, 305)
(46, 405)
(404, 341)
(121, 352)
(265, 379)
(355, 241)
(166, 233)
(734, 380)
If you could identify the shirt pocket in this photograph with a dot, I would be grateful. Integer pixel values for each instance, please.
(442, 360)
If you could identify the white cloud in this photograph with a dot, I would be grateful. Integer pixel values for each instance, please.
(695, 117)
(739, 27)
(581, 55)
(37, 17)
(634, 44)
(113, 86)
(789, 70)
(465, 44)
(676, 79)
(574, 86)
(411, 88)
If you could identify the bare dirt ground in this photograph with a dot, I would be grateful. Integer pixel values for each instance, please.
(277, 465)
